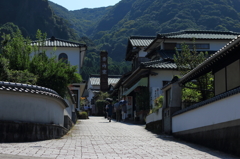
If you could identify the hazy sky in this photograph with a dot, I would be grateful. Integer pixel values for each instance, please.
(79, 4)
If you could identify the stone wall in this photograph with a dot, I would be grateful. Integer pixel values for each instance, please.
(68, 123)
(224, 137)
(214, 122)
(11, 131)
(155, 126)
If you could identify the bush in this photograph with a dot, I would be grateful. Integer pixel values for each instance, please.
(83, 115)
(100, 105)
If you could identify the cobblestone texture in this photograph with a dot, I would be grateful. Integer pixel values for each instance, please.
(98, 138)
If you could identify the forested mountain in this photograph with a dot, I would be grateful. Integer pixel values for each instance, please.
(108, 28)
(148, 17)
(30, 15)
(84, 20)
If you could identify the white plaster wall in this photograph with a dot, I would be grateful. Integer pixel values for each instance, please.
(27, 107)
(142, 53)
(90, 95)
(68, 111)
(218, 45)
(163, 75)
(220, 111)
(73, 54)
(214, 45)
(154, 116)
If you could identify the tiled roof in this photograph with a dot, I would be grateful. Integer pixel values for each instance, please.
(160, 64)
(207, 64)
(204, 34)
(33, 89)
(95, 80)
(54, 42)
(208, 101)
(141, 40)
(169, 54)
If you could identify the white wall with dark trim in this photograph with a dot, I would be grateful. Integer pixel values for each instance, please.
(221, 111)
(33, 108)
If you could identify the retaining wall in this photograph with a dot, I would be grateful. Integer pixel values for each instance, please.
(11, 131)
(28, 110)
(154, 122)
(214, 123)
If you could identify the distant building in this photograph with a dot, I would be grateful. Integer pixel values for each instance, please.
(93, 86)
(70, 52)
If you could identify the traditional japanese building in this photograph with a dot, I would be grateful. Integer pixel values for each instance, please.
(215, 121)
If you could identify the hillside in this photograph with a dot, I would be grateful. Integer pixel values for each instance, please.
(112, 27)
(30, 15)
(108, 28)
(84, 20)
(149, 17)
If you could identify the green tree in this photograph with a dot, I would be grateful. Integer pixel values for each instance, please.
(16, 64)
(52, 73)
(186, 60)
(17, 50)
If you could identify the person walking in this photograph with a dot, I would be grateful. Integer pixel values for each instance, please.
(117, 110)
(109, 109)
(124, 109)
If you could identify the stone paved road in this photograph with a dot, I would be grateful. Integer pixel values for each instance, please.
(97, 138)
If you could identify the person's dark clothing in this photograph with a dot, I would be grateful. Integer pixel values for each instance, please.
(110, 110)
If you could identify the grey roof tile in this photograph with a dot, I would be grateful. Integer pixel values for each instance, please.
(138, 41)
(202, 34)
(95, 80)
(26, 88)
(159, 64)
(55, 42)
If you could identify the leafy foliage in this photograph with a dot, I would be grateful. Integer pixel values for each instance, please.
(17, 49)
(158, 102)
(143, 99)
(108, 28)
(32, 15)
(188, 59)
(82, 115)
(16, 64)
(100, 105)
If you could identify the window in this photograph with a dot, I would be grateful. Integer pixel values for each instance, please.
(197, 46)
(63, 57)
(165, 82)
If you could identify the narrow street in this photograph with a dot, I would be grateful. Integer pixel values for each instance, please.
(97, 138)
